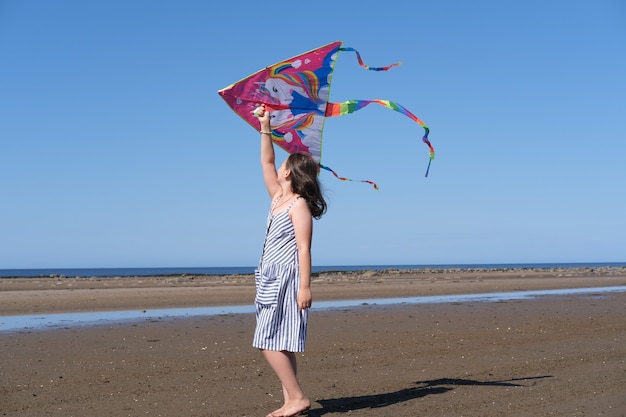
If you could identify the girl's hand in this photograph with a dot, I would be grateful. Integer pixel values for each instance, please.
(264, 118)
(304, 299)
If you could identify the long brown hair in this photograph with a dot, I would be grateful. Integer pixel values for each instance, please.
(304, 182)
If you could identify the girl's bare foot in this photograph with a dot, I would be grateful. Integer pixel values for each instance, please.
(292, 409)
(275, 412)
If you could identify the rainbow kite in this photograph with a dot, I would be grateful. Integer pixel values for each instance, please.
(296, 92)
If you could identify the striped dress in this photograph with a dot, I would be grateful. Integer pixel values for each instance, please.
(280, 324)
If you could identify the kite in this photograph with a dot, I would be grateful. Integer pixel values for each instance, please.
(296, 92)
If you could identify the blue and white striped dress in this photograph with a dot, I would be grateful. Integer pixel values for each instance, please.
(280, 324)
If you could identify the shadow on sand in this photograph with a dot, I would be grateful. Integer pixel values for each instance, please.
(421, 389)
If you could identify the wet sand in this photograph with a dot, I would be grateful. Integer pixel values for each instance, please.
(551, 356)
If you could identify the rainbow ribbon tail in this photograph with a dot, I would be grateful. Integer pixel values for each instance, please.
(431, 153)
(367, 67)
(348, 179)
(351, 106)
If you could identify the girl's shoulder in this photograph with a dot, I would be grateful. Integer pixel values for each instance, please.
(299, 205)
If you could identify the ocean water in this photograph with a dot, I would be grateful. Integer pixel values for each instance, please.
(231, 270)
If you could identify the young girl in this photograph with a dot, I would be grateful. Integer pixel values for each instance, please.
(283, 278)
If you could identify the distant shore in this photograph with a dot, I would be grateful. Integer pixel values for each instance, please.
(244, 270)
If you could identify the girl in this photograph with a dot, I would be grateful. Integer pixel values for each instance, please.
(283, 278)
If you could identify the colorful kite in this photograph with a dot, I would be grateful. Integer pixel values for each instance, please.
(296, 92)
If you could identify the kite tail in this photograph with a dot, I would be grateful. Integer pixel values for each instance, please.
(348, 179)
(350, 106)
(431, 153)
(361, 63)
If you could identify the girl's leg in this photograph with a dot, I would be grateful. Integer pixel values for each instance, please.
(284, 365)
(294, 366)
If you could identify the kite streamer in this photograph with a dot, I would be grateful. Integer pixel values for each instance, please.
(361, 63)
(296, 93)
(348, 179)
(350, 106)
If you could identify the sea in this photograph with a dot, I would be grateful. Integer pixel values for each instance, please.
(243, 270)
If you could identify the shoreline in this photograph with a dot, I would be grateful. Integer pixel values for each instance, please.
(21, 296)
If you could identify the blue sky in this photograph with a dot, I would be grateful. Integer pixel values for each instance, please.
(116, 150)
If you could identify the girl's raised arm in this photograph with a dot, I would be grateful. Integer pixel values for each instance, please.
(268, 159)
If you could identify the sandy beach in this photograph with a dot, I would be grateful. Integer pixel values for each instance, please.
(550, 356)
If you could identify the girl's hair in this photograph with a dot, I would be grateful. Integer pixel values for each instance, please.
(304, 182)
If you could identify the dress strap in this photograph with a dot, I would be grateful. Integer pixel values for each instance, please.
(293, 202)
(274, 202)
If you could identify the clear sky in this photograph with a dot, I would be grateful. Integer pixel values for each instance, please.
(116, 150)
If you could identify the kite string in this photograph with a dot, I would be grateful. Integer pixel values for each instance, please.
(348, 179)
